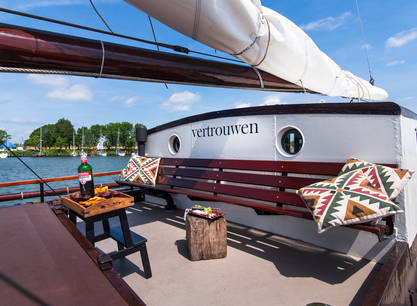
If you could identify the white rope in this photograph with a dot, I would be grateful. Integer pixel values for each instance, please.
(102, 59)
(361, 89)
(365, 45)
(21, 194)
(253, 41)
(259, 76)
(305, 91)
(67, 190)
(267, 45)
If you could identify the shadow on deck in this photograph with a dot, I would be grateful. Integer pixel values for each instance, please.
(260, 267)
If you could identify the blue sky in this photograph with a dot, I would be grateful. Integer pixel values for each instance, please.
(29, 101)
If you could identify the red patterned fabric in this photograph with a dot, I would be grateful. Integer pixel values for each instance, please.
(346, 199)
(141, 169)
(389, 180)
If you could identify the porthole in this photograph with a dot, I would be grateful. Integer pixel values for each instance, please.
(290, 141)
(174, 144)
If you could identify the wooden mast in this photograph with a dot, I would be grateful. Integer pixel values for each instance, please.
(35, 51)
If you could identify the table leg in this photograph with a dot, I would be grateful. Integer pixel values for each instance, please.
(106, 226)
(145, 261)
(73, 217)
(125, 228)
(89, 231)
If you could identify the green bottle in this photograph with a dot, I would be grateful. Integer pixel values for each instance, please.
(85, 178)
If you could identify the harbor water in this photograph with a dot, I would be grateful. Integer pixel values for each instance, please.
(11, 169)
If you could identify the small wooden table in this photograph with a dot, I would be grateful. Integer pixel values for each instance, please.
(206, 239)
(128, 242)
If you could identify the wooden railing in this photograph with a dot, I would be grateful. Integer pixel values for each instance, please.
(42, 193)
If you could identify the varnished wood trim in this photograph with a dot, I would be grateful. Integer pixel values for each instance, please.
(54, 179)
(28, 48)
(372, 109)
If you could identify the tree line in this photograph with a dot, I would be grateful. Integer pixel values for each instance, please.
(4, 136)
(60, 134)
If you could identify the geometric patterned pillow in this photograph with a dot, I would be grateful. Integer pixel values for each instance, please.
(389, 180)
(141, 169)
(346, 199)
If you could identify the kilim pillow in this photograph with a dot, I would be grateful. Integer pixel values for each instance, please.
(141, 169)
(388, 180)
(346, 199)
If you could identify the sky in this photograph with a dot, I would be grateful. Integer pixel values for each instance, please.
(28, 101)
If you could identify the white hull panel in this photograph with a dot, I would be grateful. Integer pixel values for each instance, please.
(328, 137)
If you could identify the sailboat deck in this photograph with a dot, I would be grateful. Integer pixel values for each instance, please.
(260, 268)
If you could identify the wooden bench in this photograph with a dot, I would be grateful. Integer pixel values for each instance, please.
(266, 186)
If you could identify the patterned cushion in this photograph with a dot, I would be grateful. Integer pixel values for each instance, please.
(346, 199)
(388, 180)
(141, 170)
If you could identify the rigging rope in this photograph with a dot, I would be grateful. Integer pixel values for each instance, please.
(365, 45)
(99, 15)
(27, 166)
(69, 24)
(154, 37)
(305, 91)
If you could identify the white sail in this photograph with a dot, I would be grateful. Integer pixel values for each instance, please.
(262, 38)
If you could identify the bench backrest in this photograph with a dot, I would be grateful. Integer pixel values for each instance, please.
(270, 181)
(266, 186)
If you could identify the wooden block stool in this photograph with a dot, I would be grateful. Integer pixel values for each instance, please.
(206, 239)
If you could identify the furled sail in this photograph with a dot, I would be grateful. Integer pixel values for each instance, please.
(262, 38)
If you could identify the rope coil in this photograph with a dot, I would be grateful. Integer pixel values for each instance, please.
(267, 45)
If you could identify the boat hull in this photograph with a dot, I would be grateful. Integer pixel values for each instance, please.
(377, 132)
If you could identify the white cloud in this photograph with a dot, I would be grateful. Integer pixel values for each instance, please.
(51, 80)
(401, 38)
(272, 100)
(407, 99)
(116, 99)
(131, 101)
(327, 24)
(366, 46)
(242, 105)
(395, 63)
(75, 92)
(63, 90)
(181, 101)
(21, 120)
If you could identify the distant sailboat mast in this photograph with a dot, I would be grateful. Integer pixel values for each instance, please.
(119, 153)
(82, 141)
(74, 153)
(40, 143)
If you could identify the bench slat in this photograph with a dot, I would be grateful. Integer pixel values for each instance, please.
(239, 182)
(262, 194)
(244, 178)
(258, 165)
(378, 229)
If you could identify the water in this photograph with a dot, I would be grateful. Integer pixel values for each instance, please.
(11, 169)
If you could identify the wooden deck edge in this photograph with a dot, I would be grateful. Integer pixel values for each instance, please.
(127, 293)
(396, 279)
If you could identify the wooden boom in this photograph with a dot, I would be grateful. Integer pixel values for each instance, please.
(35, 51)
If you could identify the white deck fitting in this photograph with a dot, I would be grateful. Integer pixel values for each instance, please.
(260, 268)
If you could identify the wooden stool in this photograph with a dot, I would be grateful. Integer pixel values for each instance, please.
(128, 242)
(206, 239)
